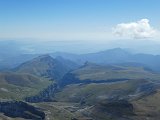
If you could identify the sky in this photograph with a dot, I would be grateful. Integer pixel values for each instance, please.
(79, 19)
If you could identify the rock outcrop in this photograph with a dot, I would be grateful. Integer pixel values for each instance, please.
(21, 110)
(46, 95)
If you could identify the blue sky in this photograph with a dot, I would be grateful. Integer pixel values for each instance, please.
(73, 19)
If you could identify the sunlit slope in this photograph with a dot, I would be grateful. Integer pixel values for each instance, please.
(17, 86)
(96, 73)
(148, 107)
(94, 92)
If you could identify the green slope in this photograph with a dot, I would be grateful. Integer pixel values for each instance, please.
(90, 73)
(18, 86)
(98, 72)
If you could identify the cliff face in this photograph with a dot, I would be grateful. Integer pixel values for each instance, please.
(46, 95)
(21, 109)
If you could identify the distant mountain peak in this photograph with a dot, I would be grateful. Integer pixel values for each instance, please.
(87, 63)
(116, 50)
(41, 57)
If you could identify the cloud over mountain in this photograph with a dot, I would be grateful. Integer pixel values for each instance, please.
(137, 30)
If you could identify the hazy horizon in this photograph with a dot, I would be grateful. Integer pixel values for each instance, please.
(84, 26)
(90, 20)
(36, 47)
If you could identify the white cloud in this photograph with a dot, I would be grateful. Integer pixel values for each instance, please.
(137, 30)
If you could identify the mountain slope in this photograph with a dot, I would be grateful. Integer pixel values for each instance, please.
(18, 86)
(93, 73)
(98, 80)
(46, 66)
(114, 56)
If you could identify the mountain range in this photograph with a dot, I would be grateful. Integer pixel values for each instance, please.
(112, 56)
(108, 85)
